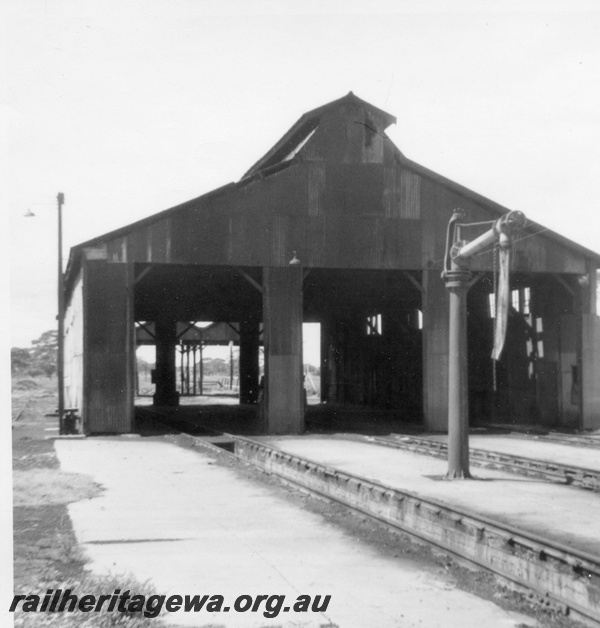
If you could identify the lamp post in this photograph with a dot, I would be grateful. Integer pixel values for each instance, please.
(60, 372)
(60, 366)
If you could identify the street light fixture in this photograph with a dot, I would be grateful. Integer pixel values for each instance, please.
(60, 372)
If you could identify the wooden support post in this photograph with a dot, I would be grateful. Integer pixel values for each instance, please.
(589, 351)
(283, 399)
(194, 378)
(185, 388)
(435, 351)
(325, 359)
(166, 385)
(181, 369)
(201, 368)
(249, 341)
(109, 348)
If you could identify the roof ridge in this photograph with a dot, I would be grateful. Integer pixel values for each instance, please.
(306, 123)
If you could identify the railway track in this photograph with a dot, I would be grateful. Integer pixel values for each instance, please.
(584, 440)
(532, 467)
(557, 575)
(569, 439)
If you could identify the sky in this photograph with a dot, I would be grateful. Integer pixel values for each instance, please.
(131, 107)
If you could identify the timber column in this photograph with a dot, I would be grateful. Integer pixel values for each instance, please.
(165, 373)
(588, 350)
(435, 351)
(326, 359)
(249, 342)
(283, 396)
(109, 347)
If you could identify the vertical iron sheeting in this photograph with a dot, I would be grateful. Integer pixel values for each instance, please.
(280, 251)
(402, 193)
(435, 351)
(316, 187)
(282, 314)
(108, 357)
(534, 253)
(74, 346)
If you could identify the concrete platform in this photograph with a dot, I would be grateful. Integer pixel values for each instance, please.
(566, 514)
(192, 526)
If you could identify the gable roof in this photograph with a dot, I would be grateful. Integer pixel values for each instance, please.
(307, 123)
(282, 154)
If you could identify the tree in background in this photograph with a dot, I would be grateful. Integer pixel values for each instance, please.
(45, 352)
(40, 359)
(20, 360)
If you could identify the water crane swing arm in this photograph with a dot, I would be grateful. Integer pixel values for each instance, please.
(457, 275)
(459, 251)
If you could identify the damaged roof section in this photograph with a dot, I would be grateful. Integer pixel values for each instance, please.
(354, 110)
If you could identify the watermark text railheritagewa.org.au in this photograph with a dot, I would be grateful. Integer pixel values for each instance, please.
(59, 601)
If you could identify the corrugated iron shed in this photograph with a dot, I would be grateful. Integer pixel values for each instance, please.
(368, 226)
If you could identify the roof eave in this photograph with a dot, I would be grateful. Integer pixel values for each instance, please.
(493, 205)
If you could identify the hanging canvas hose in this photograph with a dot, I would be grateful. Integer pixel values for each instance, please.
(502, 302)
(457, 277)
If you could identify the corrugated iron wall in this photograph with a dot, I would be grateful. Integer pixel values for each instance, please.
(283, 404)
(74, 346)
(435, 351)
(108, 348)
(334, 215)
(349, 200)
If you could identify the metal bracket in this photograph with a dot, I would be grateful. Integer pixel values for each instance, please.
(192, 324)
(476, 279)
(250, 280)
(563, 283)
(146, 329)
(415, 282)
(142, 274)
(237, 331)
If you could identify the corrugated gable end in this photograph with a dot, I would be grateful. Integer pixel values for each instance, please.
(249, 239)
(401, 193)
(550, 252)
(137, 244)
(148, 243)
(349, 135)
(278, 239)
(534, 253)
(318, 248)
(280, 192)
(354, 189)
(117, 249)
(316, 188)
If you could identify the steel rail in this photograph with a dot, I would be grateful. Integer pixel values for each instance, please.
(562, 576)
(585, 440)
(567, 439)
(567, 577)
(553, 471)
